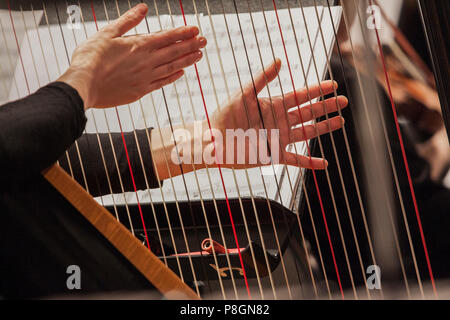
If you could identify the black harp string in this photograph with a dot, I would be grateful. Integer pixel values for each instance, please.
(347, 146)
(206, 166)
(207, 169)
(322, 96)
(159, 182)
(370, 130)
(301, 171)
(397, 184)
(322, 154)
(302, 179)
(276, 125)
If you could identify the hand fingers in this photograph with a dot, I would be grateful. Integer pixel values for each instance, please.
(311, 131)
(165, 81)
(316, 110)
(305, 162)
(179, 49)
(303, 95)
(180, 63)
(165, 38)
(264, 78)
(126, 22)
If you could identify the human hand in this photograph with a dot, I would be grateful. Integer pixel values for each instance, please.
(109, 69)
(242, 112)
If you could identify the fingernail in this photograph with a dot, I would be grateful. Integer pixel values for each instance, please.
(202, 41)
(194, 31)
(199, 55)
(141, 9)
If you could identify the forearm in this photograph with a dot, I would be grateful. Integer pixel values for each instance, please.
(36, 130)
(103, 164)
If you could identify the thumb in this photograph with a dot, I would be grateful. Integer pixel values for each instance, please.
(127, 21)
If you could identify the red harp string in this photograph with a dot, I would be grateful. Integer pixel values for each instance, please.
(405, 160)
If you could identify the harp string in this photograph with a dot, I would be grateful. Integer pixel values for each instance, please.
(128, 160)
(321, 146)
(173, 187)
(170, 229)
(22, 65)
(96, 128)
(341, 62)
(206, 166)
(396, 183)
(245, 169)
(10, 63)
(40, 41)
(301, 172)
(229, 96)
(207, 170)
(394, 168)
(88, 146)
(302, 178)
(59, 72)
(405, 162)
(349, 155)
(76, 143)
(218, 106)
(310, 156)
(262, 122)
(145, 179)
(370, 130)
(295, 149)
(194, 171)
(260, 170)
(220, 171)
(142, 164)
(349, 211)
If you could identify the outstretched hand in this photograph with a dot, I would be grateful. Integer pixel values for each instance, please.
(245, 109)
(109, 69)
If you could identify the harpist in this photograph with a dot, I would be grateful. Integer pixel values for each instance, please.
(41, 233)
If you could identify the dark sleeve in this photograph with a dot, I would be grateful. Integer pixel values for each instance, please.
(101, 172)
(35, 131)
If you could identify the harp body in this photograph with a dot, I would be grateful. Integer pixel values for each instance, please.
(280, 231)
